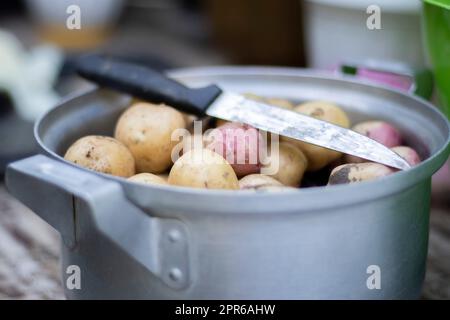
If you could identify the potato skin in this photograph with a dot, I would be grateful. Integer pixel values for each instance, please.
(407, 153)
(164, 176)
(193, 141)
(221, 122)
(380, 131)
(357, 172)
(147, 178)
(325, 111)
(239, 145)
(203, 168)
(260, 182)
(280, 103)
(146, 130)
(253, 96)
(292, 164)
(319, 157)
(102, 154)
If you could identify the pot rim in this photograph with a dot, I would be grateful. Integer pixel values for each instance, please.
(308, 198)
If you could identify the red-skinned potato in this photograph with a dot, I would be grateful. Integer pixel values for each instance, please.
(319, 157)
(357, 172)
(407, 153)
(102, 154)
(380, 131)
(146, 129)
(203, 168)
(239, 145)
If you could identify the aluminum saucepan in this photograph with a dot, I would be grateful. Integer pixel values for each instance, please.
(125, 240)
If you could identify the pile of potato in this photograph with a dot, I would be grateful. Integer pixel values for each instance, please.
(142, 151)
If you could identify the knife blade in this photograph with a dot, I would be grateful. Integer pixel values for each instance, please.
(150, 85)
(234, 107)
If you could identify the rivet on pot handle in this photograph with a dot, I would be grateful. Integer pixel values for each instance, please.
(61, 195)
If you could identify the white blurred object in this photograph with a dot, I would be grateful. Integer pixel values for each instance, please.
(28, 77)
(336, 31)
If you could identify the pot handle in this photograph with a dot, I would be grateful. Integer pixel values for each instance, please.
(66, 196)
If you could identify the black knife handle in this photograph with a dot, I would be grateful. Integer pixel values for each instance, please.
(146, 84)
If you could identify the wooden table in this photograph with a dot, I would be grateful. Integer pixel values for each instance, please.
(29, 254)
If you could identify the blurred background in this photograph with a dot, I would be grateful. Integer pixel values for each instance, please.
(40, 39)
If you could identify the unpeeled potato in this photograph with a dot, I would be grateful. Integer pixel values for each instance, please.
(239, 144)
(357, 172)
(164, 176)
(259, 182)
(147, 178)
(203, 168)
(146, 129)
(380, 131)
(409, 154)
(319, 157)
(193, 141)
(280, 103)
(102, 154)
(290, 163)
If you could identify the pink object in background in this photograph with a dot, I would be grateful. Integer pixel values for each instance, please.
(401, 82)
(379, 71)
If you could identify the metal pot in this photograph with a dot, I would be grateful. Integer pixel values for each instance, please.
(133, 241)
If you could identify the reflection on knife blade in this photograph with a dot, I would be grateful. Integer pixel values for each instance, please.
(234, 107)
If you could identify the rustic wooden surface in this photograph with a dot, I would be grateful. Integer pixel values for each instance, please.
(29, 254)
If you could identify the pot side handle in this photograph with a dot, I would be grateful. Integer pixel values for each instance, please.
(67, 197)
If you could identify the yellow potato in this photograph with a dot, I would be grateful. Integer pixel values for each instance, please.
(281, 103)
(189, 120)
(291, 164)
(221, 122)
(253, 96)
(203, 168)
(325, 111)
(102, 154)
(147, 178)
(258, 181)
(146, 129)
(319, 157)
(193, 141)
(164, 176)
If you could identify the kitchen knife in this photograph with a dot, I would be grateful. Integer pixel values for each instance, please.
(150, 85)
